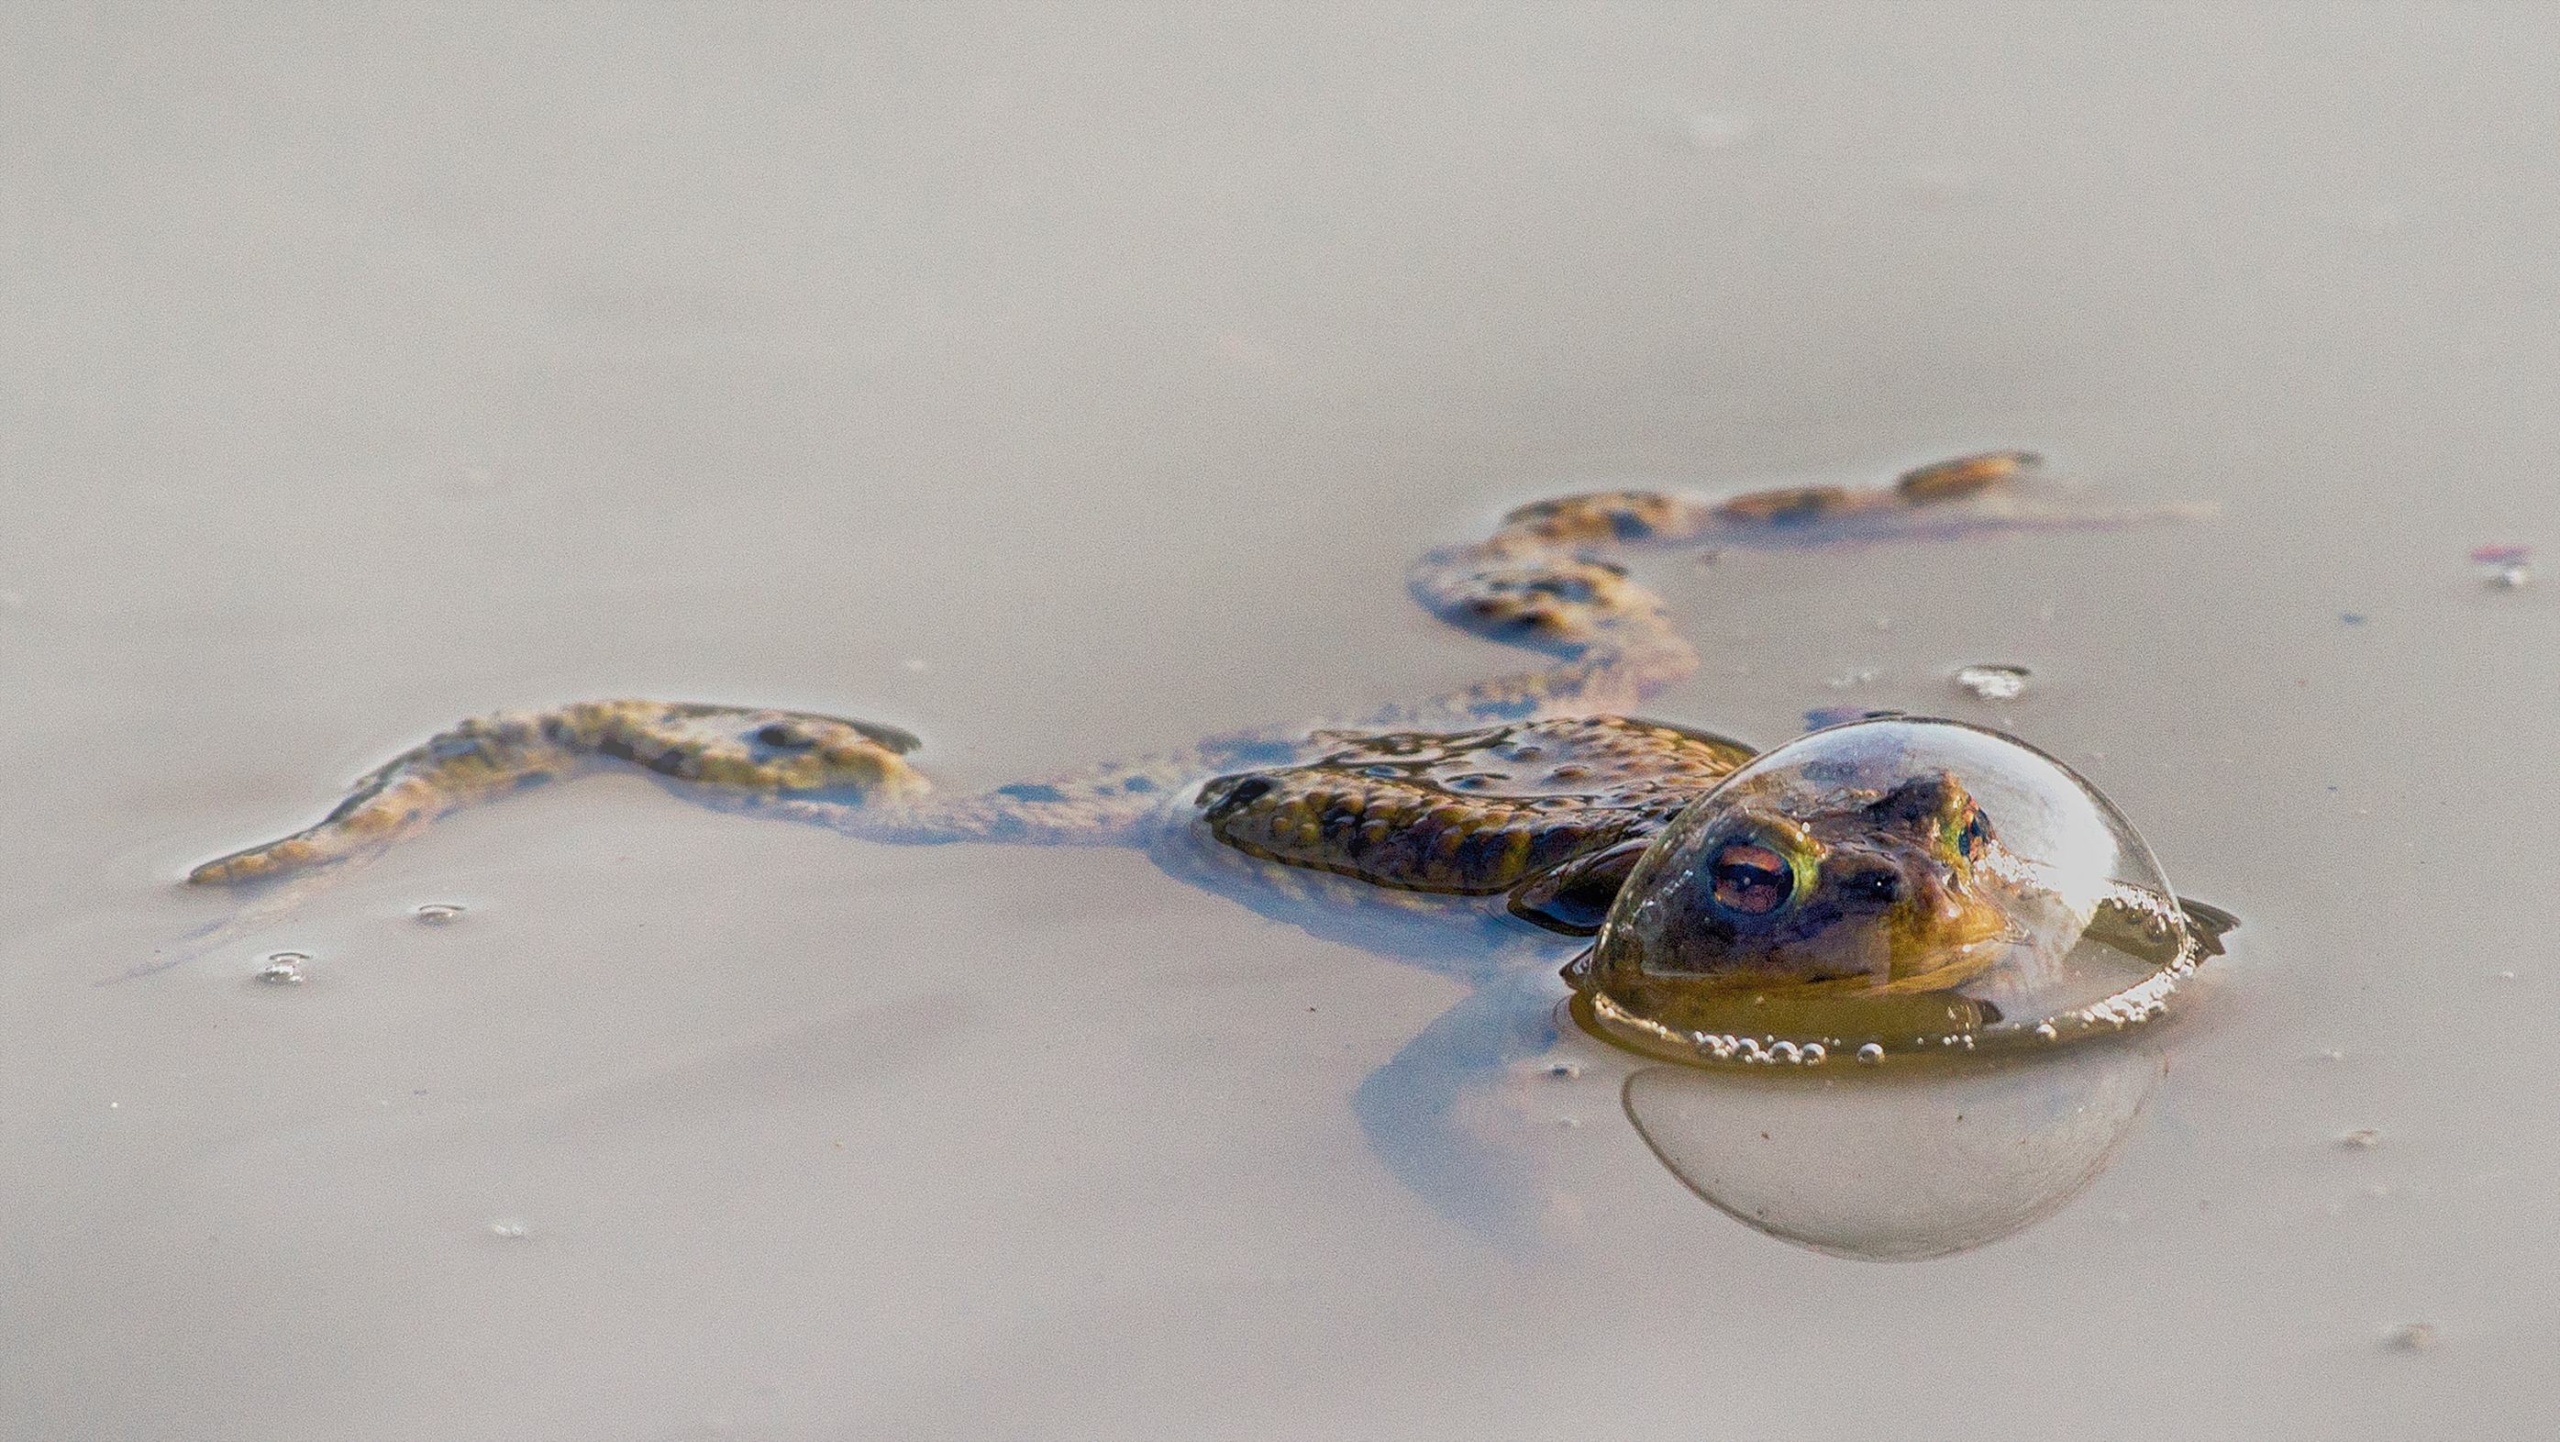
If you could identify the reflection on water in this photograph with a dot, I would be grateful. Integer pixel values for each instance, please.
(1897, 1167)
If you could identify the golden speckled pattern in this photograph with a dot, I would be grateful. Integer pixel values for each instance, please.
(1477, 791)
(1471, 812)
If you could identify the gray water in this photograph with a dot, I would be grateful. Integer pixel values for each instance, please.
(1069, 384)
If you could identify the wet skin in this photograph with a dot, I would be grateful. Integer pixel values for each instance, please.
(1532, 786)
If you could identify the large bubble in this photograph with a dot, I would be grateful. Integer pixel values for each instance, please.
(1910, 1163)
(1887, 888)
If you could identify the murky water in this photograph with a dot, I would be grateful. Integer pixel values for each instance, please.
(1069, 385)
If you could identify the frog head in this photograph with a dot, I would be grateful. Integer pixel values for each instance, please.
(1887, 891)
(1767, 910)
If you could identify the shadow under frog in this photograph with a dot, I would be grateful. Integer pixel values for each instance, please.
(1429, 832)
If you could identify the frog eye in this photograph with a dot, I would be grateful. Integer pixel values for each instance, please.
(1750, 879)
(1976, 836)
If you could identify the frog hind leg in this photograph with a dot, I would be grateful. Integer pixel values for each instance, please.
(748, 752)
(1547, 578)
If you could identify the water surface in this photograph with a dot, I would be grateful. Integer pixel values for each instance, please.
(1072, 384)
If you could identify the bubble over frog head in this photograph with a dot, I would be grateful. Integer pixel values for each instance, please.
(1887, 886)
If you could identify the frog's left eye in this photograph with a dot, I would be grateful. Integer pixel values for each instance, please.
(1976, 837)
(1750, 879)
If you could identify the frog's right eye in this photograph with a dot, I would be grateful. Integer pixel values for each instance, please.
(1750, 879)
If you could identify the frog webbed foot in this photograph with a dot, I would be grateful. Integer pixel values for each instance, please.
(746, 753)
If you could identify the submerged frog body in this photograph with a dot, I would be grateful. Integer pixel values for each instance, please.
(1534, 786)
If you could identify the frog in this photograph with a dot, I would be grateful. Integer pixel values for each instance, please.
(1542, 788)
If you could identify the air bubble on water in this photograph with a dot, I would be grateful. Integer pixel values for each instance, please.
(1855, 676)
(2362, 1139)
(1567, 1069)
(438, 913)
(2093, 941)
(1994, 682)
(510, 1228)
(2505, 566)
(2411, 1337)
(283, 968)
(1815, 1053)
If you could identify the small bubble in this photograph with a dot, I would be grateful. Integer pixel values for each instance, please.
(1565, 1069)
(2507, 565)
(2045, 1031)
(438, 913)
(1855, 676)
(1994, 683)
(1568, 1121)
(1870, 1054)
(2411, 1337)
(1815, 1053)
(1786, 1051)
(2362, 1139)
(511, 1228)
(2352, 618)
(283, 968)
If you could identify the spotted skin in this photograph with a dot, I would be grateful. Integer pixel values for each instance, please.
(1469, 812)
(1499, 787)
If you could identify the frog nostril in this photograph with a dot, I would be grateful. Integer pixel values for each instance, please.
(782, 736)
